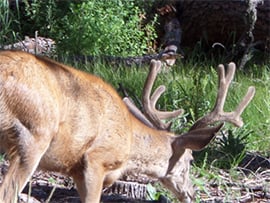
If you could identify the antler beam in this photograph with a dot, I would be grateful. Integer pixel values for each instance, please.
(149, 102)
(152, 117)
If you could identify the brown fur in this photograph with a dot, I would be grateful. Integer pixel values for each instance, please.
(61, 119)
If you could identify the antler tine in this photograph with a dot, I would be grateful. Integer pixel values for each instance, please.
(224, 83)
(136, 112)
(245, 101)
(149, 103)
(218, 113)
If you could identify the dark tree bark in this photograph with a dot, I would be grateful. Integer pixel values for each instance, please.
(216, 21)
(236, 25)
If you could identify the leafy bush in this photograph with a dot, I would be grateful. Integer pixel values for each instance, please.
(105, 27)
(44, 15)
(93, 27)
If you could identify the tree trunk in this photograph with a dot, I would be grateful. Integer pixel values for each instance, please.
(216, 21)
(237, 26)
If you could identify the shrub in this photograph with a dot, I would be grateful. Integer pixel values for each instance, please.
(46, 16)
(80, 27)
(105, 27)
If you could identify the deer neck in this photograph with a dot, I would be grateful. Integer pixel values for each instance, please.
(150, 153)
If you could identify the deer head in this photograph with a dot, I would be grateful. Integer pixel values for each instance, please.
(176, 175)
(54, 117)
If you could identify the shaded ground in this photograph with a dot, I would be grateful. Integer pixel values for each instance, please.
(250, 183)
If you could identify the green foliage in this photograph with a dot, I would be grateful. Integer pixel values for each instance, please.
(156, 191)
(7, 22)
(95, 27)
(258, 114)
(152, 192)
(194, 94)
(211, 179)
(227, 151)
(231, 145)
(44, 16)
(105, 27)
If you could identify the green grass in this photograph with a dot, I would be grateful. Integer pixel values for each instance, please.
(258, 114)
(193, 87)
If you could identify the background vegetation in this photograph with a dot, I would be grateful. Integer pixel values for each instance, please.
(115, 27)
(119, 27)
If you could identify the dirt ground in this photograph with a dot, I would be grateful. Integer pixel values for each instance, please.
(252, 184)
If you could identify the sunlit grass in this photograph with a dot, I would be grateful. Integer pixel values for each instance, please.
(193, 87)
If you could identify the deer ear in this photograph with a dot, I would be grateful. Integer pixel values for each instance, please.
(197, 139)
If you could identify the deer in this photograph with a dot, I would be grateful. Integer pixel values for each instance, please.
(54, 117)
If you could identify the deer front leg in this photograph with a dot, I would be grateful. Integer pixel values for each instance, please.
(26, 153)
(89, 180)
(98, 168)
